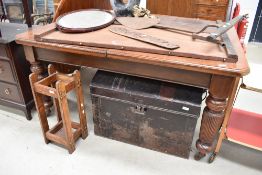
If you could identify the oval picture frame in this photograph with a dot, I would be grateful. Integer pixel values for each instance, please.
(93, 19)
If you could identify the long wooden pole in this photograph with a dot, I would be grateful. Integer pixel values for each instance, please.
(3, 17)
(27, 13)
(2, 8)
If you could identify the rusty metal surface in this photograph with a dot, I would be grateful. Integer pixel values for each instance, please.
(145, 112)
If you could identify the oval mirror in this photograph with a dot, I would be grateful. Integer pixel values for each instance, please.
(84, 20)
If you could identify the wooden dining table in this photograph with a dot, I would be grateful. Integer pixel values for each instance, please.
(219, 78)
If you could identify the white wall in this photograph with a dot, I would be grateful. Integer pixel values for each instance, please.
(143, 3)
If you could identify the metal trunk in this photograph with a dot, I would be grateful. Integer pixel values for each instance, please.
(148, 113)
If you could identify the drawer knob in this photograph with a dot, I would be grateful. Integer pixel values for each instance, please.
(1, 70)
(7, 92)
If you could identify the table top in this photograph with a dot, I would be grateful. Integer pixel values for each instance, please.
(240, 68)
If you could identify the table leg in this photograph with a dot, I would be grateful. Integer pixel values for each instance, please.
(213, 114)
(38, 68)
(222, 134)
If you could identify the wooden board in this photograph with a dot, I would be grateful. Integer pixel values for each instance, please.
(105, 39)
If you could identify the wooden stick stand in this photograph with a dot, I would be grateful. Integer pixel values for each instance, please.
(57, 85)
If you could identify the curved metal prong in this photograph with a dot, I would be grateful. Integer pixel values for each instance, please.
(208, 26)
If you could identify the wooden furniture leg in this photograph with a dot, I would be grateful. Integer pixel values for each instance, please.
(213, 114)
(65, 116)
(229, 108)
(37, 68)
(28, 114)
(80, 104)
(39, 106)
(52, 70)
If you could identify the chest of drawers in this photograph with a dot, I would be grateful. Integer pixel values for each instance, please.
(15, 91)
(203, 9)
(210, 9)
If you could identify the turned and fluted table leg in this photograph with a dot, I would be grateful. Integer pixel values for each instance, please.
(38, 68)
(214, 113)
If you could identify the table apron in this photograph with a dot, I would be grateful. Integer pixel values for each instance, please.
(187, 77)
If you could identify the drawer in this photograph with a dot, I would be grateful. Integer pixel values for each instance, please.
(213, 2)
(9, 92)
(211, 12)
(3, 52)
(6, 73)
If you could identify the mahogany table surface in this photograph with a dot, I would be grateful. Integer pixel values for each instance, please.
(240, 68)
